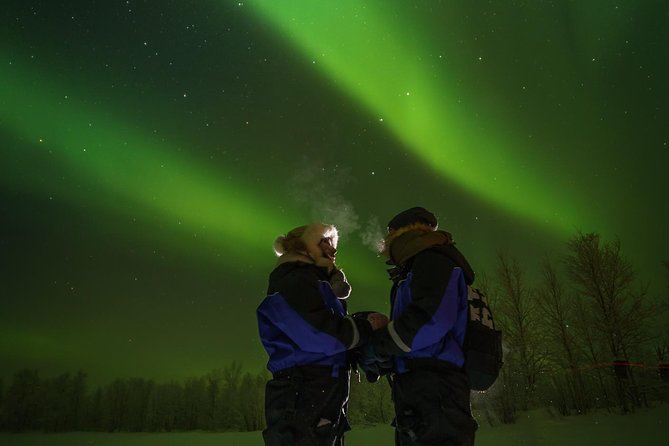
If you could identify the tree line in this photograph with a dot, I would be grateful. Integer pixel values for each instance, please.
(226, 399)
(585, 335)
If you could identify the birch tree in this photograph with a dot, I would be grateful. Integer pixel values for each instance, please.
(560, 319)
(616, 311)
(517, 309)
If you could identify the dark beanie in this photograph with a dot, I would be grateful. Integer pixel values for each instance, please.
(413, 215)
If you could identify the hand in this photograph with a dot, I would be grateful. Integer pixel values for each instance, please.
(377, 320)
(329, 251)
(340, 286)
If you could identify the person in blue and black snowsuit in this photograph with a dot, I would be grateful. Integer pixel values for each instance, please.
(429, 313)
(307, 334)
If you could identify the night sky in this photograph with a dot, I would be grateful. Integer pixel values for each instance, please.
(153, 150)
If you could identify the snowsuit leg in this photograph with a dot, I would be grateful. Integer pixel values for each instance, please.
(432, 407)
(304, 406)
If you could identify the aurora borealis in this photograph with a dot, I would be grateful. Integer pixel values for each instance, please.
(153, 150)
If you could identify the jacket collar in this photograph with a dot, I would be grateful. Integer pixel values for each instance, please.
(295, 257)
(411, 243)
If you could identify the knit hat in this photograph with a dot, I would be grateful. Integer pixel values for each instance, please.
(413, 215)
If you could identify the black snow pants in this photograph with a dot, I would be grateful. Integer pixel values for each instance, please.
(306, 406)
(432, 405)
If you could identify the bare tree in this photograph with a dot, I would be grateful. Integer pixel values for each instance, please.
(93, 411)
(213, 400)
(56, 400)
(165, 408)
(115, 404)
(195, 397)
(560, 321)
(594, 349)
(616, 312)
(517, 310)
(252, 405)
(22, 408)
(230, 413)
(78, 398)
(137, 404)
(664, 303)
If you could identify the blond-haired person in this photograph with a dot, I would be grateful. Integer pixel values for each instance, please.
(307, 333)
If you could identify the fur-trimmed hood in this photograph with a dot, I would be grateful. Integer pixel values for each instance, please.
(304, 244)
(407, 243)
(305, 239)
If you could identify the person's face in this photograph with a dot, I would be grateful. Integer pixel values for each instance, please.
(329, 251)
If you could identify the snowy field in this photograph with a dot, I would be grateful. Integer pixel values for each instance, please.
(648, 426)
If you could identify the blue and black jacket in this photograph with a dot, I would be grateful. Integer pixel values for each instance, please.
(302, 322)
(429, 307)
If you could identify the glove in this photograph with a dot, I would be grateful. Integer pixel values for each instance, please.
(362, 314)
(340, 285)
(373, 364)
(376, 320)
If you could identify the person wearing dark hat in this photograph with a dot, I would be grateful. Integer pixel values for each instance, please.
(304, 328)
(429, 312)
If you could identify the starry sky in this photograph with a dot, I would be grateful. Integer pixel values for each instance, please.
(152, 151)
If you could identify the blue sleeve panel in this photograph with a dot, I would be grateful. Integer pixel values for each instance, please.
(309, 328)
(430, 311)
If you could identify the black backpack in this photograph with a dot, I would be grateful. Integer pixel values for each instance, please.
(483, 343)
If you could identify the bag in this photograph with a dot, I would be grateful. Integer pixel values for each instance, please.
(483, 343)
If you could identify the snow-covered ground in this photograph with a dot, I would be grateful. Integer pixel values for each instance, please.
(648, 426)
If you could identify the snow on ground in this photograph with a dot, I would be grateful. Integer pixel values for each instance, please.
(648, 426)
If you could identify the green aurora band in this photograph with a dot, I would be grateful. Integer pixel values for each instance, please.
(142, 172)
(385, 61)
(104, 151)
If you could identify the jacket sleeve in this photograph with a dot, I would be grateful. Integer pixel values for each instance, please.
(432, 311)
(301, 293)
